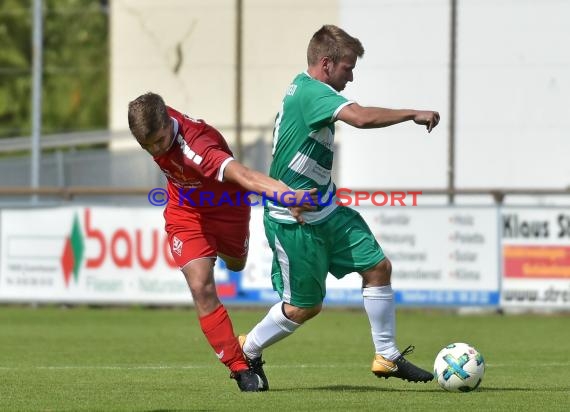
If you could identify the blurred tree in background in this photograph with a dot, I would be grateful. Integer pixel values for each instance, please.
(75, 66)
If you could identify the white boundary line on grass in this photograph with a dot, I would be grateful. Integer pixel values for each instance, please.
(287, 366)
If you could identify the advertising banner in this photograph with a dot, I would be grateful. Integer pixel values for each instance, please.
(111, 255)
(535, 247)
(440, 256)
(91, 255)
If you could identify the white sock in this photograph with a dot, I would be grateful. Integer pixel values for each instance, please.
(381, 310)
(272, 328)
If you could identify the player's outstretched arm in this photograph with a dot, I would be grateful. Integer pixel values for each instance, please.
(375, 117)
(298, 200)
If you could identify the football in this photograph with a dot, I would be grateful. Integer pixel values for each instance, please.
(459, 367)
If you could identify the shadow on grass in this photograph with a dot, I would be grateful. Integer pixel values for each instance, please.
(352, 388)
(356, 389)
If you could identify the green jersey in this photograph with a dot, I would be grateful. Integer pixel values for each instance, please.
(303, 149)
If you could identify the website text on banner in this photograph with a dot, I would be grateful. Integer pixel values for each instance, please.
(535, 246)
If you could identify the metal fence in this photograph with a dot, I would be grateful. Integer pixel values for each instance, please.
(113, 175)
(98, 175)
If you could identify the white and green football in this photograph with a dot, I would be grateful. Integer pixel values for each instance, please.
(459, 367)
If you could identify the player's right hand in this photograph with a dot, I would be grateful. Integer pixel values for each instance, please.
(428, 118)
(305, 200)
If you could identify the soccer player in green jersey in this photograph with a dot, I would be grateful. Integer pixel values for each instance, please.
(335, 239)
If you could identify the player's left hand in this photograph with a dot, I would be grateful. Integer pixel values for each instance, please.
(428, 118)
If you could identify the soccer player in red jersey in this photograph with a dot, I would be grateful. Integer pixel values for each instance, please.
(207, 214)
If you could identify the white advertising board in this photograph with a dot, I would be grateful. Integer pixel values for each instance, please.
(112, 255)
(440, 256)
(95, 255)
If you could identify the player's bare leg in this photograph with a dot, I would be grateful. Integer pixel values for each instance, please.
(216, 323)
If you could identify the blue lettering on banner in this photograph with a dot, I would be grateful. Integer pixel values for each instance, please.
(353, 297)
(447, 297)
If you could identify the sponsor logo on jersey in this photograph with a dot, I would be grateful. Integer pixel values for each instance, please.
(177, 246)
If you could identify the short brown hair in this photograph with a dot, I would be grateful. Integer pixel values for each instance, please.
(147, 115)
(332, 42)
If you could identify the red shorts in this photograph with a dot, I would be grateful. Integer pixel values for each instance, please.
(195, 233)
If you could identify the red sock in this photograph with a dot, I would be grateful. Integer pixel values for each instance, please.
(218, 329)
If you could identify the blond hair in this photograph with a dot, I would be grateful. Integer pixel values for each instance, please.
(332, 42)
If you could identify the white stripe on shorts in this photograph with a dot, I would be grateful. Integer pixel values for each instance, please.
(283, 260)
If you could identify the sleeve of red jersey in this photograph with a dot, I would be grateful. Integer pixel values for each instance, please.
(214, 158)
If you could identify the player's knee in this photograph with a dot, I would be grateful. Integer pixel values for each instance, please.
(235, 264)
(301, 315)
(379, 275)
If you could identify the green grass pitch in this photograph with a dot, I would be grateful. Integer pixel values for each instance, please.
(136, 359)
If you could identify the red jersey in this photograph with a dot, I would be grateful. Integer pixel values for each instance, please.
(194, 166)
